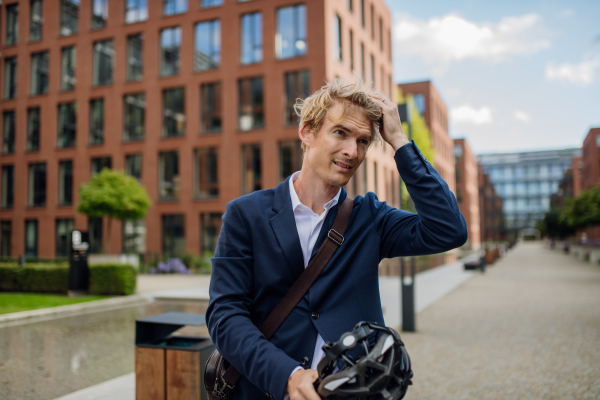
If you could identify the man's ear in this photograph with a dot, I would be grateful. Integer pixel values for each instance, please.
(305, 134)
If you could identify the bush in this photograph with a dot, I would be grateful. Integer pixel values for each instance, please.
(112, 279)
(41, 278)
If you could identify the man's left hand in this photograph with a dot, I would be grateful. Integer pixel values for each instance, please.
(391, 131)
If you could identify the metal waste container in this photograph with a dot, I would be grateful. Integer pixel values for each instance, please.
(170, 367)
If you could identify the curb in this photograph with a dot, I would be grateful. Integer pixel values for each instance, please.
(24, 317)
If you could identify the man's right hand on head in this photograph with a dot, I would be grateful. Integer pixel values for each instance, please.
(300, 385)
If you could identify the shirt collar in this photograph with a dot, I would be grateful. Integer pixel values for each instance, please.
(296, 201)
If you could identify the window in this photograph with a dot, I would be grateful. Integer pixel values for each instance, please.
(31, 237)
(7, 197)
(207, 54)
(290, 158)
(8, 132)
(373, 70)
(33, 129)
(135, 59)
(457, 175)
(350, 5)
(10, 77)
(12, 24)
(206, 177)
(365, 188)
(35, 20)
(103, 63)
(65, 182)
(133, 166)
(362, 13)
(351, 50)
(251, 168)
(5, 238)
(173, 235)
(37, 185)
(362, 60)
(251, 112)
(210, 224)
(135, 11)
(210, 3)
(99, 163)
(372, 23)
(96, 121)
(170, 39)
(337, 38)
(290, 39)
(67, 68)
(69, 17)
(134, 110)
(389, 35)
(251, 38)
(168, 175)
(173, 113)
(99, 13)
(64, 227)
(375, 177)
(296, 86)
(134, 236)
(172, 7)
(210, 108)
(419, 100)
(380, 34)
(95, 232)
(67, 125)
(39, 73)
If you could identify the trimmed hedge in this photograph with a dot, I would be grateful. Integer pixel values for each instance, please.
(105, 279)
(113, 279)
(40, 278)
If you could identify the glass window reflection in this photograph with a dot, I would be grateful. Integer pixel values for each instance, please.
(290, 39)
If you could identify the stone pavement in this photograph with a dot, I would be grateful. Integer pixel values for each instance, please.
(529, 328)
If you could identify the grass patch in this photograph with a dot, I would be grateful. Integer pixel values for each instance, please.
(15, 302)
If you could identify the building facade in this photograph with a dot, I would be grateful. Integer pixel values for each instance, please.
(525, 182)
(467, 189)
(430, 104)
(192, 98)
(591, 159)
(492, 226)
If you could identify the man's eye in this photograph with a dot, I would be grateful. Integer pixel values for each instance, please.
(341, 132)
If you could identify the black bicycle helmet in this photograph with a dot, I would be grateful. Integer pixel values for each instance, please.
(373, 365)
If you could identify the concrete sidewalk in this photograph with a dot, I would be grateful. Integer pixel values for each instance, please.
(529, 328)
(431, 286)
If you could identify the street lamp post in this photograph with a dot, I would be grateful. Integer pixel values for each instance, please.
(407, 282)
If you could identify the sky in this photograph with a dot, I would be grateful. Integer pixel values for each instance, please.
(515, 75)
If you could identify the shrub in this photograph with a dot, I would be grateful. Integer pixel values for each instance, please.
(112, 279)
(41, 278)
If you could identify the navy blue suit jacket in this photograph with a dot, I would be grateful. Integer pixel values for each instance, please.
(258, 258)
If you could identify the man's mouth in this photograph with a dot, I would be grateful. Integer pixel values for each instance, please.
(342, 165)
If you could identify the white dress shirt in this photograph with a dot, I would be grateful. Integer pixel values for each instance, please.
(308, 224)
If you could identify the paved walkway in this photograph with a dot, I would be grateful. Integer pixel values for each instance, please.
(529, 328)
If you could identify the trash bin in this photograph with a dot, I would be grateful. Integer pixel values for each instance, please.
(471, 265)
(170, 367)
(489, 256)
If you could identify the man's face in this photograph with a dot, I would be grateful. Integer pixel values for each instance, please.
(336, 151)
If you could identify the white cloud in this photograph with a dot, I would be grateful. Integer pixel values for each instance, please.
(566, 13)
(451, 38)
(521, 116)
(582, 73)
(467, 114)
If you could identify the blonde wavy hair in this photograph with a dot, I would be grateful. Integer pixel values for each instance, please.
(313, 110)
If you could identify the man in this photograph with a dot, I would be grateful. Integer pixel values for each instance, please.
(268, 237)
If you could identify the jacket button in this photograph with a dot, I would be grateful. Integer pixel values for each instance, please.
(315, 315)
(305, 361)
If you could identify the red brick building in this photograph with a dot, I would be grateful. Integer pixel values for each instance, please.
(430, 104)
(591, 159)
(467, 189)
(491, 216)
(191, 98)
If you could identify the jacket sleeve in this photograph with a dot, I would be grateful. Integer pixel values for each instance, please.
(228, 313)
(438, 225)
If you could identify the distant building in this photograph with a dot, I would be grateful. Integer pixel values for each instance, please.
(192, 98)
(467, 189)
(577, 175)
(591, 159)
(491, 217)
(525, 182)
(430, 104)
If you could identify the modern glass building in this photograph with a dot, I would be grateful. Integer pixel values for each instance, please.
(526, 181)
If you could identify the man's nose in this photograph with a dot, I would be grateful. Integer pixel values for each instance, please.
(350, 149)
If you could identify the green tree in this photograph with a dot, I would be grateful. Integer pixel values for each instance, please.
(584, 210)
(114, 195)
(420, 134)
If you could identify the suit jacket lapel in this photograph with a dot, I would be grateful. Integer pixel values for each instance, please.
(284, 226)
(328, 223)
